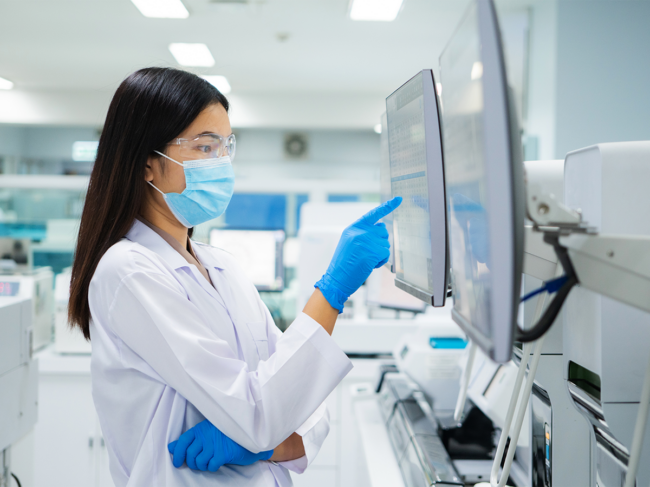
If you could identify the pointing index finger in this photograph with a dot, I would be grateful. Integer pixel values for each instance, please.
(373, 216)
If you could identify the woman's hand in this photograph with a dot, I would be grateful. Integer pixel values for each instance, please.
(363, 247)
(204, 447)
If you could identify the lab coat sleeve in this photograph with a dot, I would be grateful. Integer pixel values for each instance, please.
(313, 433)
(151, 314)
(317, 427)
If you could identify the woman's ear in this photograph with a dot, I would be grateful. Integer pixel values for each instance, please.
(148, 170)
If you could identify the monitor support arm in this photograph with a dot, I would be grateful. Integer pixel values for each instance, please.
(616, 266)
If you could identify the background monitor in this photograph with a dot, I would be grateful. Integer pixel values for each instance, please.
(484, 175)
(383, 293)
(259, 252)
(417, 175)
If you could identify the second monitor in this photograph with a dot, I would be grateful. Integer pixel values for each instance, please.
(417, 175)
(259, 252)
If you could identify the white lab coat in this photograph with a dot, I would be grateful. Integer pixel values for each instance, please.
(168, 350)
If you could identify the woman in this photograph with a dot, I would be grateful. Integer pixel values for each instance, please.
(182, 343)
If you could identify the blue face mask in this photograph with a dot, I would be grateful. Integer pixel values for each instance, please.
(209, 185)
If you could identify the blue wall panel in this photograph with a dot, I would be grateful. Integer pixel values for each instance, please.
(257, 211)
(342, 198)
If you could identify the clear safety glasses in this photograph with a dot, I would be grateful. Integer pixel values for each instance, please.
(206, 146)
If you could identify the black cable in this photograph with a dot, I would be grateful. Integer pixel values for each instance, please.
(547, 319)
(549, 315)
(16, 479)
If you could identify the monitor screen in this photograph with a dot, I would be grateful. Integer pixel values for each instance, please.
(484, 177)
(259, 252)
(417, 175)
(385, 186)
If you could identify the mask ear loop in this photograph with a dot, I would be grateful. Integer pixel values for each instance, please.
(167, 157)
(151, 184)
(161, 154)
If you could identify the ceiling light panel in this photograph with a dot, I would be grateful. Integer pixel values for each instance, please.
(219, 82)
(197, 55)
(162, 9)
(5, 84)
(375, 10)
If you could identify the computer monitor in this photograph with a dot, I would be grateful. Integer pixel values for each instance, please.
(484, 176)
(259, 252)
(385, 187)
(417, 175)
(382, 292)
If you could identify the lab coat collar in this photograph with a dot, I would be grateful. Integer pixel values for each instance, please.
(210, 259)
(145, 236)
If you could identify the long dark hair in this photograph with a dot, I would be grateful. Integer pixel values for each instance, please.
(150, 108)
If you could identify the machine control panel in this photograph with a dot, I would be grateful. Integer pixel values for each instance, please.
(9, 288)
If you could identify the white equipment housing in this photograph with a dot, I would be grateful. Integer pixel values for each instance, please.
(18, 376)
(606, 340)
(436, 369)
(36, 285)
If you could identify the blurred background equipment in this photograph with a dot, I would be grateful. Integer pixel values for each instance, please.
(321, 225)
(15, 252)
(259, 252)
(36, 285)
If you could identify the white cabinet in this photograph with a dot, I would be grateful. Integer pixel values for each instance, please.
(69, 449)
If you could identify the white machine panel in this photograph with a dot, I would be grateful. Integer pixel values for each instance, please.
(37, 285)
(490, 388)
(15, 333)
(608, 184)
(18, 372)
(432, 358)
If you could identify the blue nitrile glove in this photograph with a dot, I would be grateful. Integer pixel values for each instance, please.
(204, 447)
(363, 247)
